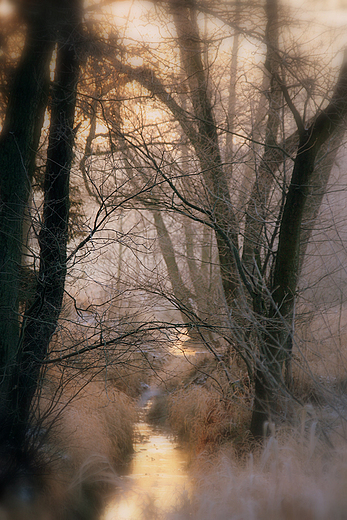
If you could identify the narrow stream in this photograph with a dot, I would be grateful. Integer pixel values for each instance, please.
(156, 481)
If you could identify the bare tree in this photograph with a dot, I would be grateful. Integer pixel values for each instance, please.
(260, 285)
(26, 333)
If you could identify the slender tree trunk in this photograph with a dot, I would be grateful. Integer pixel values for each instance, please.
(200, 281)
(206, 144)
(258, 201)
(229, 147)
(180, 291)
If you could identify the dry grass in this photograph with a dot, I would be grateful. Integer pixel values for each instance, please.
(93, 439)
(89, 440)
(203, 420)
(293, 477)
(284, 481)
(198, 404)
(94, 422)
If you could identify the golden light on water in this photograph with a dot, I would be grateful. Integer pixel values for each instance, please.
(158, 479)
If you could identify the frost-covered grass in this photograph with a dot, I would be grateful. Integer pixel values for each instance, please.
(290, 478)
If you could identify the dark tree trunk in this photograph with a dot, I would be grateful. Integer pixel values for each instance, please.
(287, 265)
(18, 144)
(41, 319)
(29, 345)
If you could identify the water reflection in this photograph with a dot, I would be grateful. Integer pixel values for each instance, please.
(157, 479)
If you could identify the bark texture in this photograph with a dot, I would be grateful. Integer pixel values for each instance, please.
(27, 342)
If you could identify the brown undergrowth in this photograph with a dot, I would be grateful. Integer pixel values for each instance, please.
(84, 440)
(200, 406)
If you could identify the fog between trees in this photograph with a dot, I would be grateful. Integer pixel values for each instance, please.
(178, 169)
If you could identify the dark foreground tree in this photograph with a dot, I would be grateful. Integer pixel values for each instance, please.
(26, 327)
